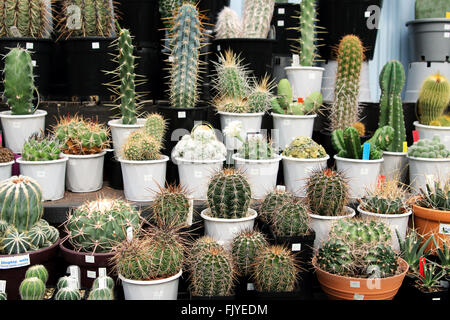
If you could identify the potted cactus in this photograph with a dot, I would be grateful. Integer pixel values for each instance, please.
(42, 160)
(228, 212)
(198, 156)
(25, 238)
(143, 165)
(327, 195)
(84, 142)
(269, 207)
(23, 119)
(171, 207)
(299, 158)
(150, 265)
(6, 163)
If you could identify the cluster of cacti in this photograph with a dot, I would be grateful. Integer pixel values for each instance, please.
(345, 109)
(426, 148)
(291, 220)
(87, 18)
(41, 148)
(25, 18)
(229, 195)
(32, 289)
(97, 226)
(436, 196)
(307, 43)
(434, 98)
(171, 206)
(327, 192)
(270, 204)
(6, 155)
(201, 144)
(426, 9)
(257, 15)
(18, 80)
(79, 136)
(304, 148)
(387, 198)
(245, 247)
(228, 25)
(257, 148)
(360, 127)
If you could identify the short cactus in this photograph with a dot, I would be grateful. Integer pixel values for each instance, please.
(304, 148)
(260, 95)
(41, 148)
(283, 102)
(66, 293)
(361, 232)
(63, 282)
(140, 146)
(6, 155)
(257, 148)
(203, 243)
(155, 125)
(171, 206)
(443, 121)
(360, 127)
(38, 271)
(108, 280)
(228, 25)
(271, 203)
(232, 105)
(245, 247)
(101, 294)
(15, 242)
(291, 220)
(434, 98)
(257, 15)
(387, 198)
(431, 149)
(32, 289)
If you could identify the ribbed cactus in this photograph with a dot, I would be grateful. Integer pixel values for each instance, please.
(202, 243)
(327, 192)
(67, 293)
(41, 148)
(186, 36)
(32, 289)
(272, 201)
(108, 280)
(291, 220)
(432, 149)
(257, 15)
(335, 257)
(361, 231)
(229, 195)
(228, 25)
(232, 105)
(392, 81)
(382, 138)
(345, 109)
(38, 271)
(426, 9)
(260, 95)
(284, 97)
(171, 206)
(304, 148)
(37, 236)
(307, 49)
(101, 294)
(6, 155)
(257, 148)
(3, 296)
(275, 270)
(97, 226)
(18, 80)
(156, 126)
(140, 146)
(63, 282)
(245, 247)
(167, 7)
(434, 98)
(283, 104)
(232, 77)
(14, 242)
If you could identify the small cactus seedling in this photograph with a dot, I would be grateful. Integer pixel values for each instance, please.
(260, 95)
(245, 247)
(434, 98)
(32, 289)
(38, 271)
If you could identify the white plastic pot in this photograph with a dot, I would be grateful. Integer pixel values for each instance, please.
(195, 175)
(362, 174)
(251, 122)
(395, 165)
(51, 176)
(304, 80)
(428, 132)
(120, 133)
(395, 221)
(6, 170)
(296, 171)
(224, 230)
(164, 289)
(142, 179)
(322, 225)
(84, 173)
(289, 127)
(261, 174)
(423, 170)
(18, 128)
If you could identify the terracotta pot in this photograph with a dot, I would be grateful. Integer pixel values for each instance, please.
(347, 288)
(430, 221)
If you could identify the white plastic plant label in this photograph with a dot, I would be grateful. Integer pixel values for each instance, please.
(295, 60)
(2, 286)
(355, 284)
(15, 261)
(364, 171)
(444, 229)
(130, 234)
(102, 282)
(95, 45)
(73, 283)
(357, 296)
(33, 62)
(89, 259)
(191, 212)
(446, 34)
(280, 23)
(102, 271)
(74, 272)
(250, 287)
(181, 114)
(91, 274)
(296, 247)
(29, 45)
(40, 174)
(281, 188)
(281, 11)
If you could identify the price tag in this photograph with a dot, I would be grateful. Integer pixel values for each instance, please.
(444, 229)
(281, 11)
(130, 234)
(296, 247)
(280, 23)
(281, 188)
(366, 151)
(415, 135)
(16, 125)
(295, 60)
(358, 296)
(95, 45)
(191, 212)
(364, 171)
(148, 177)
(102, 282)
(29, 45)
(15, 261)
(181, 114)
(33, 62)
(40, 174)
(405, 146)
(355, 284)
(2, 286)
(250, 287)
(91, 274)
(102, 271)
(89, 259)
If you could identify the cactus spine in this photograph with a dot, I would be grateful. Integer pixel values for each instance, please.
(257, 16)
(307, 47)
(232, 77)
(270, 204)
(32, 289)
(228, 24)
(434, 97)
(245, 247)
(15, 242)
(171, 206)
(155, 125)
(41, 148)
(38, 271)
(140, 146)
(291, 220)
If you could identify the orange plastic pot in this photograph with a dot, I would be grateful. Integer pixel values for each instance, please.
(432, 222)
(347, 288)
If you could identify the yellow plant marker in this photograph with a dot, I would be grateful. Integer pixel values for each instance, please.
(447, 15)
(405, 146)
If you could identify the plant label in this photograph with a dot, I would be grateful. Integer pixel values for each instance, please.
(218, 49)
(191, 212)
(130, 234)
(295, 60)
(89, 259)
(296, 247)
(367, 14)
(181, 114)
(250, 287)
(366, 151)
(446, 34)
(280, 23)
(74, 272)
(72, 283)
(16, 125)
(436, 299)
(364, 171)
(281, 11)
(40, 174)
(148, 177)
(95, 45)
(447, 15)
(91, 274)
(102, 272)
(405, 146)
(29, 45)
(102, 282)
(444, 229)
(15, 261)
(415, 135)
(33, 62)
(447, 27)
(2, 286)
(357, 296)
(355, 284)
(281, 188)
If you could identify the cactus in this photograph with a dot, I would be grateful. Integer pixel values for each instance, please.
(19, 81)
(431, 149)
(140, 146)
(63, 282)
(101, 294)
(327, 192)
(171, 206)
(307, 48)
(426, 9)
(382, 138)
(361, 232)
(387, 198)
(38, 271)
(167, 7)
(291, 220)
(32, 289)
(443, 121)
(3, 296)
(275, 270)
(228, 25)
(229, 195)
(282, 103)
(284, 97)
(335, 257)
(304, 148)
(109, 283)
(271, 203)
(199, 245)
(6, 155)
(434, 98)
(97, 226)
(156, 126)
(245, 247)
(4, 226)
(344, 111)
(41, 148)
(260, 95)
(232, 105)
(257, 15)
(360, 127)
(312, 103)
(15, 242)
(436, 196)
(257, 148)
(67, 293)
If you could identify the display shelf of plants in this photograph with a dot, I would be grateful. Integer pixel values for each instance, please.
(279, 187)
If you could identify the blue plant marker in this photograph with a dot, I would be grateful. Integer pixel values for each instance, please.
(366, 151)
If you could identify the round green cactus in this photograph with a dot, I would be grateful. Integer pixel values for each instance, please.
(41, 148)
(38, 271)
(15, 242)
(361, 232)
(431, 149)
(304, 148)
(270, 204)
(109, 282)
(63, 282)
(291, 220)
(434, 98)
(260, 95)
(245, 247)
(141, 147)
(171, 206)
(66, 293)
(37, 236)
(203, 243)
(32, 289)
(335, 257)
(101, 294)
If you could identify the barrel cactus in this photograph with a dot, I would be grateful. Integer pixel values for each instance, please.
(63, 282)
(38, 271)
(140, 146)
(32, 289)
(291, 220)
(101, 294)
(228, 25)
(272, 201)
(155, 125)
(67, 293)
(304, 148)
(257, 15)
(41, 148)
(245, 247)
(202, 243)
(6, 155)
(361, 232)
(14, 242)
(260, 95)
(431, 149)
(171, 206)
(108, 281)
(3, 296)
(434, 98)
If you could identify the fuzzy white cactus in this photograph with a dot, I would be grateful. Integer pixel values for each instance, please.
(257, 17)
(228, 25)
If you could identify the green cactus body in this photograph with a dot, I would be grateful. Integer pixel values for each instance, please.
(67, 293)
(229, 195)
(51, 233)
(63, 282)
(257, 148)
(434, 98)
(15, 242)
(101, 294)
(284, 95)
(432, 149)
(171, 206)
(37, 236)
(41, 148)
(260, 96)
(338, 142)
(313, 103)
(443, 121)
(271, 203)
(383, 258)
(155, 125)
(345, 109)
(304, 148)
(140, 146)
(231, 80)
(228, 24)
(335, 257)
(32, 289)
(307, 47)
(3, 296)
(38, 271)
(3, 227)
(167, 7)
(245, 247)
(426, 9)
(203, 243)
(109, 282)
(19, 81)
(257, 15)
(361, 232)
(232, 105)
(352, 143)
(382, 138)
(291, 220)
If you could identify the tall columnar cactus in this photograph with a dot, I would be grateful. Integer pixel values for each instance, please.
(38, 271)
(232, 77)
(257, 15)
(171, 206)
(19, 81)
(434, 98)
(271, 203)
(228, 25)
(140, 146)
(431, 9)
(291, 220)
(345, 109)
(25, 18)
(41, 148)
(229, 195)
(186, 36)
(307, 41)
(392, 80)
(32, 289)
(245, 247)
(155, 125)
(167, 7)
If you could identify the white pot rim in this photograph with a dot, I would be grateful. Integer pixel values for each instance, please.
(244, 115)
(143, 162)
(206, 161)
(37, 114)
(391, 153)
(85, 156)
(116, 124)
(4, 164)
(429, 159)
(295, 117)
(151, 282)
(292, 68)
(358, 160)
(305, 160)
(221, 220)
(380, 215)
(418, 125)
(348, 209)
(64, 159)
(237, 157)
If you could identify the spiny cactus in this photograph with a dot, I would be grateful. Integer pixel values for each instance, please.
(304, 148)
(335, 257)
(229, 195)
(38, 271)
(63, 282)
(19, 81)
(434, 98)
(101, 294)
(167, 7)
(361, 231)
(387, 198)
(257, 148)
(171, 206)
(140, 146)
(291, 220)
(327, 192)
(32, 289)
(41, 148)
(6, 155)
(228, 25)
(15, 242)
(260, 95)
(245, 247)
(431, 149)
(426, 9)
(275, 270)
(436, 196)
(67, 293)
(108, 280)
(360, 127)
(156, 126)
(97, 226)
(307, 48)
(282, 103)
(257, 15)
(345, 109)
(271, 203)
(232, 105)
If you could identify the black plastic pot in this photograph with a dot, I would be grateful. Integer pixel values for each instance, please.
(148, 65)
(284, 18)
(409, 292)
(300, 246)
